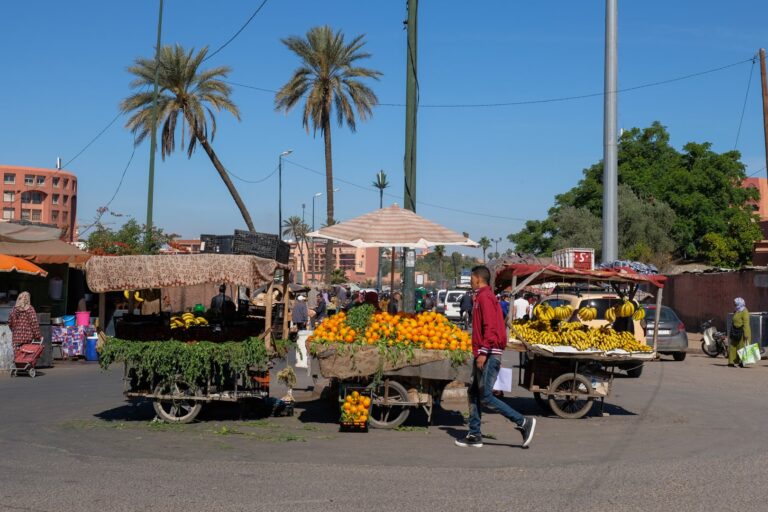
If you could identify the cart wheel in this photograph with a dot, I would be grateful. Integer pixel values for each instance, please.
(391, 415)
(32, 372)
(176, 410)
(542, 402)
(571, 407)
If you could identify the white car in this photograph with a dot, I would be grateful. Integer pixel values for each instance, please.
(453, 304)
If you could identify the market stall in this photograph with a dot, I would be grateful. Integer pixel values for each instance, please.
(195, 356)
(570, 361)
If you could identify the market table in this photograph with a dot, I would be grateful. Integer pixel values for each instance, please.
(72, 338)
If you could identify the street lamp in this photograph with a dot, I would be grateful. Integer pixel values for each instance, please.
(496, 241)
(280, 192)
(312, 263)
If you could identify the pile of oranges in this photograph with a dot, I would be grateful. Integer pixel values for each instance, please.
(429, 331)
(354, 410)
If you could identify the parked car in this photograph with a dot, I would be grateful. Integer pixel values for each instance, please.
(673, 337)
(602, 301)
(452, 304)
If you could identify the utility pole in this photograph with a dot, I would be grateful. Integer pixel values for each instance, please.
(610, 134)
(764, 80)
(153, 142)
(411, 98)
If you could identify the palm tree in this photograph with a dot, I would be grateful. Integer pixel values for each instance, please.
(328, 79)
(187, 90)
(297, 229)
(440, 254)
(380, 183)
(485, 243)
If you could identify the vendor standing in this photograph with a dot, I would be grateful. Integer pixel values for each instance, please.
(300, 313)
(23, 322)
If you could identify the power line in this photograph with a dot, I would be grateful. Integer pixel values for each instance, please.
(93, 140)
(238, 32)
(757, 171)
(744, 106)
(262, 180)
(431, 205)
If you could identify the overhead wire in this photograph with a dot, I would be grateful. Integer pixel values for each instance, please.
(744, 106)
(238, 32)
(103, 130)
(262, 180)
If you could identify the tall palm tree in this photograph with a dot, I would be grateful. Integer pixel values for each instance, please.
(484, 243)
(328, 79)
(184, 89)
(380, 183)
(297, 229)
(440, 254)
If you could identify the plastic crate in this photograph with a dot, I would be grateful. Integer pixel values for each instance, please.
(263, 245)
(220, 244)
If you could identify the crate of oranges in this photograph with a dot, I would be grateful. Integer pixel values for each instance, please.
(355, 409)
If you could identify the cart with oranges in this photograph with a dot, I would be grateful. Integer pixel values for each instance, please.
(403, 361)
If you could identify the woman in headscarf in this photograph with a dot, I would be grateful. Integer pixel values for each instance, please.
(23, 322)
(372, 298)
(740, 332)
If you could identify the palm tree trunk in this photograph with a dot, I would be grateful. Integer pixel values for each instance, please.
(224, 176)
(329, 260)
(301, 255)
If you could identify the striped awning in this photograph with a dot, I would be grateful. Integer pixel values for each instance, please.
(392, 227)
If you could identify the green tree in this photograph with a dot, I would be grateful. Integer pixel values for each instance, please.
(702, 188)
(129, 239)
(328, 79)
(186, 90)
(297, 229)
(338, 276)
(484, 243)
(381, 183)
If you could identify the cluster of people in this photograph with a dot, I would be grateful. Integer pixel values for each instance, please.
(312, 308)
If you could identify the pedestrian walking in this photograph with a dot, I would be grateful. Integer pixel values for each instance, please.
(740, 335)
(394, 303)
(429, 302)
(23, 322)
(520, 307)
(300, 313)
(488, 343)
(465, 309)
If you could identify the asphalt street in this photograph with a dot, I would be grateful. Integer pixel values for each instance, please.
(685, 436)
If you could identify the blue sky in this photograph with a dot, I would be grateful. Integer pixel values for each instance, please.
(64, 73)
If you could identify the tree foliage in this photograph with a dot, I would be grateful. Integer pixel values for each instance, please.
(670, 202)
(129, 239)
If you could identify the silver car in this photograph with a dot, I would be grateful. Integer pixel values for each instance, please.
(673, 338)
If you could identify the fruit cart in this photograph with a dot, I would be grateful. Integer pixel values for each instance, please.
(569, 368)
(188, 361)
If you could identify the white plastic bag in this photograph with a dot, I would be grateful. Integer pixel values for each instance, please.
(504, 380)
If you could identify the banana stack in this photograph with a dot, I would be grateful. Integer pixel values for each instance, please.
(587, 314)
(187, 320)
(577, 335)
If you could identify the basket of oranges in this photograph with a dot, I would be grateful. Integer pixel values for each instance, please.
(355, 409)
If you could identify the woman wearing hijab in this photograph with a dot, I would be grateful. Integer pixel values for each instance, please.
(740, 332)
(23, 322)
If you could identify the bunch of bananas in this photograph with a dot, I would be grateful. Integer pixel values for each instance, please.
(625, 310)
(578, 335)
(563, 312)
(187, 320)
(544, 312)
(587, 314)
(135, 295)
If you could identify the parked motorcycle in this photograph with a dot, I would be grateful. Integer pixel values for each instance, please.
(713, 342)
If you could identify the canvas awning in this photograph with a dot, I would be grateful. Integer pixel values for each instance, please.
(24, 231)
(535, 274)
(391, 227)
(49, 251)
(115, 273)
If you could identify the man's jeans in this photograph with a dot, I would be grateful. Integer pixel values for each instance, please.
(480, 395)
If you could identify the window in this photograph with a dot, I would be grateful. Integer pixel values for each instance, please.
(41, 180)
(55, 216)
(10, 178)
(25, 214)
(55, 182)
(33, 197)
(66, 198)
(8, 197)
(8, 213)
(29, 179)
(55, 199)
(36, 215)
(66, 182)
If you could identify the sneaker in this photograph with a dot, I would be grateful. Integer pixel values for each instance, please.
(527, 429)
(471, 440)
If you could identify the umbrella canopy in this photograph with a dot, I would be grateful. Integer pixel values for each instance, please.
(392, 227)
(14, 264)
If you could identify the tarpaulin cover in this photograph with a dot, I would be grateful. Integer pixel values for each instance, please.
(550, 273)
(115, 273)
(49, 251)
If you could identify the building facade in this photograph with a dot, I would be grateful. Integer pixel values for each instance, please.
(45, 196)
(359, 265)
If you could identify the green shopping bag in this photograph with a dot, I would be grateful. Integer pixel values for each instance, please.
(749, 354)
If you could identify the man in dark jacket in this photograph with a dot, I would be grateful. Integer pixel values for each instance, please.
(489, 339)
(465, 309)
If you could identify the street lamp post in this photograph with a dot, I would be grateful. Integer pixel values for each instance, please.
(312, 263)
(280, 192)
(496, 241)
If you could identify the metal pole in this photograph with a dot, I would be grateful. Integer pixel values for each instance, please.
(610, 132)
(313, 240)
(411, 102)
(303, 208)
(280, 196)
(378, 270)
(764, 80)
(153, 142)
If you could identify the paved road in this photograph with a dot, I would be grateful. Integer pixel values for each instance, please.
(686, 436)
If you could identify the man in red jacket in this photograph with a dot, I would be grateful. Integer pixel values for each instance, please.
(489, 339)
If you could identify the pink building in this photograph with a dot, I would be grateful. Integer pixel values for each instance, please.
(46, 196)
(360, 265)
